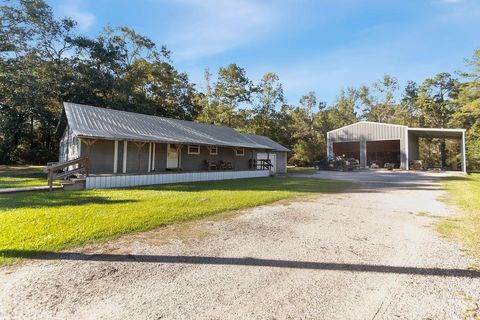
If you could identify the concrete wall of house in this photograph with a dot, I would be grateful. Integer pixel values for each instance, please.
(368, 131)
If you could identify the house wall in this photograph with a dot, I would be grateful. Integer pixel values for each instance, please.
(160, 156)
(68, 146)
(195, 162)
(100, 156)
(281, 165)
(367, 131)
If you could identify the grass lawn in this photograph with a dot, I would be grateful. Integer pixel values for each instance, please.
(43, 221)
(464, 193)
(22, 176)
(301, 170)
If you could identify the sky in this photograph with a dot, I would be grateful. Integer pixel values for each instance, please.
(321, 46)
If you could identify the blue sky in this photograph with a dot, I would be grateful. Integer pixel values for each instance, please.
(322, 45)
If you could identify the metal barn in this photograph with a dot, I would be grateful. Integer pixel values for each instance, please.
(381, 142)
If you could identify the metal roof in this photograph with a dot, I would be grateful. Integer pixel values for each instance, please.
(367, 122)
(369, 128)
(266, 142)
(437, 132)
(89, 121)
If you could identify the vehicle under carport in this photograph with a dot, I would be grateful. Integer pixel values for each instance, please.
(375, 144)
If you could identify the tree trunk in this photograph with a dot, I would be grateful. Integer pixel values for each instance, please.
(443, 153)
(31, 139)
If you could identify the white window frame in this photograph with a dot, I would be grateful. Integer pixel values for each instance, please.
(213, 153)
(193, 146)
(238, 153)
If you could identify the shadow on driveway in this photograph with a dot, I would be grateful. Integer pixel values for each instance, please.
(247, 261)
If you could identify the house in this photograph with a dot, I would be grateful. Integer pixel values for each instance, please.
(373, 142)
(127, 149)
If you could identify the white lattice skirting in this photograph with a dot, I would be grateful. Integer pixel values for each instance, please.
(119, 181)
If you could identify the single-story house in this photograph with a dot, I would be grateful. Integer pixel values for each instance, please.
(382, 142)
(121, 146)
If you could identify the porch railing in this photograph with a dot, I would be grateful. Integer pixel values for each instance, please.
(60, 170)
(261, 164)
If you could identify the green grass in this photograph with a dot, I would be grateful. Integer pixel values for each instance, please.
(301, 170)
(464, 193)
(22, 176)
(43, 221)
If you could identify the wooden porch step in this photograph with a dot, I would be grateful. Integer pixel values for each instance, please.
(74, 184)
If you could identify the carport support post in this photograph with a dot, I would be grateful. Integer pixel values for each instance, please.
(463, 154)
(363, 154)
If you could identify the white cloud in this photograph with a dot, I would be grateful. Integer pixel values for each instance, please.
(72, 10)
(451, 1)
(209, 27)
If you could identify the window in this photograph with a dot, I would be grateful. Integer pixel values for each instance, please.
(213, 150)
(193, 149)
(240, 152)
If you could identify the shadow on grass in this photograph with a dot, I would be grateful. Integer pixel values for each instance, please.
(54, 199)
(247, 261)
(301, 185)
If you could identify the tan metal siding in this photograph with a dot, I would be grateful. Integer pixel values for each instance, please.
(370, 131)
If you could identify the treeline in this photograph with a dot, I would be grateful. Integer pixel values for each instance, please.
(45, 61)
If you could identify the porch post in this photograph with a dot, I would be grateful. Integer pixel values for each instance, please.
(149, 156)
(407, 151)
(363, 154)
(153, 159)
(125, 145)
(115, 157)
(463, 154)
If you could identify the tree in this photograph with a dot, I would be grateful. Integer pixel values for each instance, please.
(43, 62)
(379, 101)
(308, 145)
(270, 102)
(468, 113)
(437, 104)
(223, 99)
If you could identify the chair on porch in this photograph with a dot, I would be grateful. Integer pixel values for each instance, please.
(210, 165)
(225, 165)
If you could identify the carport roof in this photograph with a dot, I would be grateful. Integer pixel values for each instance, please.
(436, 132)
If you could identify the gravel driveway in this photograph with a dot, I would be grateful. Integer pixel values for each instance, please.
(368, 253)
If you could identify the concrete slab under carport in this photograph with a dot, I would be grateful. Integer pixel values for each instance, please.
(442, 133)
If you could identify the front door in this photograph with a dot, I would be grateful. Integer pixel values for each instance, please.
(172, 156)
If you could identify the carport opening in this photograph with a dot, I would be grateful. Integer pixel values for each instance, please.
(443, 154)
(381, 152)
(347, 149)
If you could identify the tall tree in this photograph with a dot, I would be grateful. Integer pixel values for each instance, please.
(224, 98)
(379, 100)
(270, 102)
(468, 113)
(437, 104)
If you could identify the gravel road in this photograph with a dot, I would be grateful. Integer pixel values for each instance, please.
(371, 252)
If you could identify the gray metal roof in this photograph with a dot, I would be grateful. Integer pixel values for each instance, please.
(266, 142)
(436, 132)
(89, 121)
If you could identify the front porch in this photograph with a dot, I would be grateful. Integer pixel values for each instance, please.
(134, 157)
